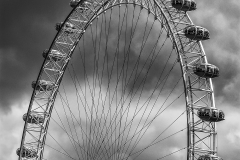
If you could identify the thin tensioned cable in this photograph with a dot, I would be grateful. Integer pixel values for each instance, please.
(98, 134)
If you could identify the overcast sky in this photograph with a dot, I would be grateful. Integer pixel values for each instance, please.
(27, 28)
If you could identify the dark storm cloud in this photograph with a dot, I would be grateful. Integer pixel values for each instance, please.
(36, 48)
(141, 68)
(27, 28)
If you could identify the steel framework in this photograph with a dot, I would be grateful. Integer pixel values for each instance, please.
(198, 91)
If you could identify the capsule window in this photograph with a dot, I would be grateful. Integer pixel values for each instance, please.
(206, 34)
(187, 3)
(193, 5)
(191, 30)
(209, 69)
(201, 158)
(200, 32)
(202, 68)
(178, 2)
(207, 112)
(201, 113)
(207, 158)
(214, 114)
(215, 70)
(221, 115)
(212, 69)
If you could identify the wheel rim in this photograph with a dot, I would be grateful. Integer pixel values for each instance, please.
(183, 47)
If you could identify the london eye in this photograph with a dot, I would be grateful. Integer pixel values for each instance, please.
(124, 80)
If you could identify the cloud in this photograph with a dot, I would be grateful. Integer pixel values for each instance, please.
(222, 49)
(11, 126)
(29, 29)
(105, 129)
(12, 87)
(229, 133)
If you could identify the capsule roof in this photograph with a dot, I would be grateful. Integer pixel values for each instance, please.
(208, 157)
(33, 118)
(68, 27)
(54, 55)
(196, 33)
(27, 153)
(184, 5)
(210, 114)
(43, 85)
(206, 70)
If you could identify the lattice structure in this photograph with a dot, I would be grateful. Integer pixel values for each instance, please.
(198, 90)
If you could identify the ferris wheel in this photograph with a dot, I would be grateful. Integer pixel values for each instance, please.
(124, 80)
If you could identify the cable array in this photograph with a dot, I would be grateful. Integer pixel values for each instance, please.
(112, 109)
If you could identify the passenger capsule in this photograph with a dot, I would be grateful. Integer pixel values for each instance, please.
(43, 85)
(54, 55)
(210, 114)
(196, 33)
(68, 28)
(206, 70)
(184, 5)
(33, 118)
(27, 153)
(208, 157)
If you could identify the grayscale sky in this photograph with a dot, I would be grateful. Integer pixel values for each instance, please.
(27, 28)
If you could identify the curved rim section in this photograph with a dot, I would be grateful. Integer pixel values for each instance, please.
(190, 52)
